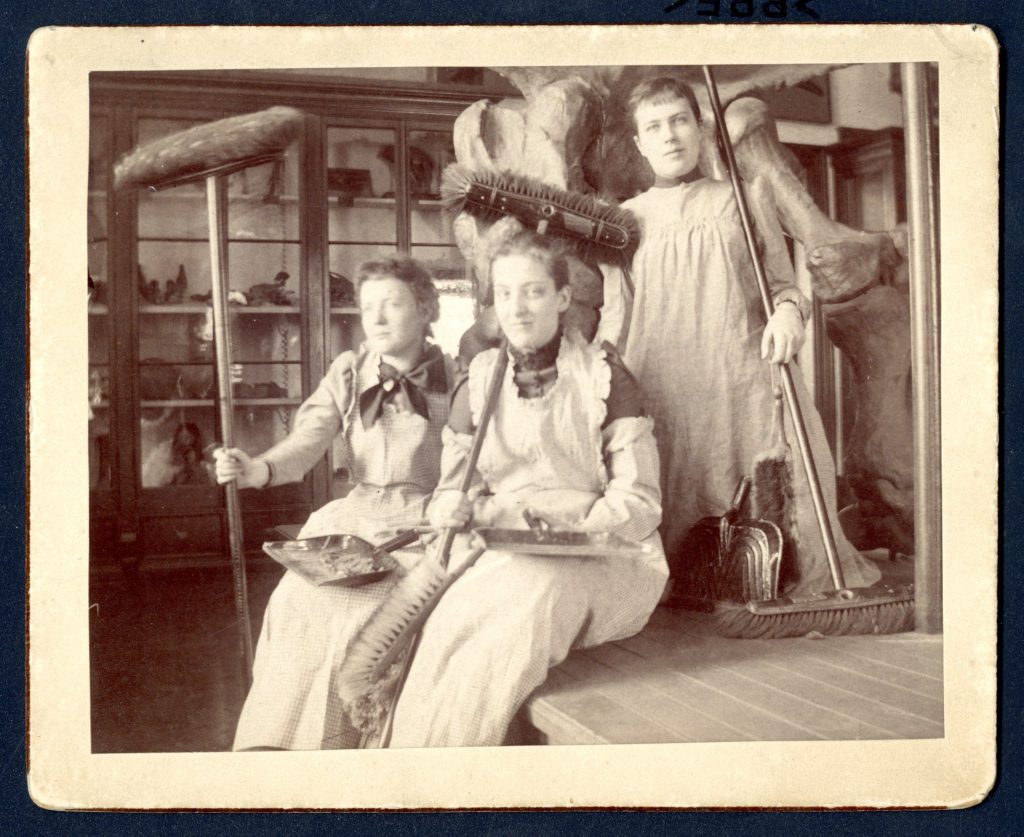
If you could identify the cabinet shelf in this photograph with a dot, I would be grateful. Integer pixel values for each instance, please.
(178, 194)
(98, 309)
(201, 308)
(171, 239)
(421, 204)
(209, 402)
(348, 311)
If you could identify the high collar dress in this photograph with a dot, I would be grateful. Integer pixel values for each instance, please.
(511, 617)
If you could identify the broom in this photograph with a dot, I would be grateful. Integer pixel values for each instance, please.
(599, 231)
(211, 152)
(842, 610)
(370, 679)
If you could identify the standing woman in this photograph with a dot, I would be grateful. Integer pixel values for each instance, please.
(700, 347)
(568, 443)
(389, 400)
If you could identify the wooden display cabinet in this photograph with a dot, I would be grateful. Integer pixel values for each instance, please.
(361, 182)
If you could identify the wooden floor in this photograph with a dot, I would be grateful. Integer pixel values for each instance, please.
(166, 676)
(678, 682)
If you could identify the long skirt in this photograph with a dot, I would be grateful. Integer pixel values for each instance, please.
(498, 630)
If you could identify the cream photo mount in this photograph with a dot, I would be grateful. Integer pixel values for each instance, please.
(956, 770)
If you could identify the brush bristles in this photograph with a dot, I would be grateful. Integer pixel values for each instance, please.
(735, 621)
(598, 230)
(772, 496)
(363, 685)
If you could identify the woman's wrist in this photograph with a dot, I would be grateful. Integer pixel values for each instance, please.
(796, 307)
(266, 481)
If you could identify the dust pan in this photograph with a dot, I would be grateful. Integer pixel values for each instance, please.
(728, 558)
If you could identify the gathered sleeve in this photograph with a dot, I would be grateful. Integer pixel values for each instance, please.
(771, 241)
(316, 423)
(631, 504)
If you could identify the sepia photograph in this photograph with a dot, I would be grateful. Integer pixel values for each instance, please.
(522, 413)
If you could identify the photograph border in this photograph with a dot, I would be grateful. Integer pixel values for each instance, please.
(60, 776)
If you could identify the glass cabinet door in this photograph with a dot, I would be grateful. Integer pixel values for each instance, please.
(432, 240)
(100, 476)
(179, 423)
(362, 218)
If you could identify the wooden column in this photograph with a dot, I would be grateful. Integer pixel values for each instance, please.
(924, 308)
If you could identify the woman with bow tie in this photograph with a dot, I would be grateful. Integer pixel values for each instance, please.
(389, 401)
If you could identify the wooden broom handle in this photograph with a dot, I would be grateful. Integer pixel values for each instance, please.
(817, 499)
(493, 391)
(217, 208)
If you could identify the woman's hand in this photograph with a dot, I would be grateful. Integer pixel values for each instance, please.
(784, 334)
(453, 509)
(235, 464)
(543, 518)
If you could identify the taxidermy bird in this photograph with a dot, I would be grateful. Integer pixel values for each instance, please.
(271, 293)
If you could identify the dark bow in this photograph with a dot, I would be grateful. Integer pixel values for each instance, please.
(426, 376)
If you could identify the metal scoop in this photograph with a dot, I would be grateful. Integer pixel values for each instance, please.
(344, 560)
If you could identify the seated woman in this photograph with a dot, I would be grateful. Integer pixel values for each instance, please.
(568, 443)
(389, 401)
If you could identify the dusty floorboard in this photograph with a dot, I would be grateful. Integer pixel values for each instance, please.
(677, 682)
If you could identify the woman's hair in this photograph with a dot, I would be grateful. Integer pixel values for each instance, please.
(550, 252)
(661, 89)
(405, 270)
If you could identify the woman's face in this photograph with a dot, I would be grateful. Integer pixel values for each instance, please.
(394, 323)
(526, 301)
(668, 136)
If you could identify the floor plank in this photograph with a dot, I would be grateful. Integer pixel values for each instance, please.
(897, 723)
(732, 717)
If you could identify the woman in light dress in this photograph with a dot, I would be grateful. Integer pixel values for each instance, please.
(389, 401)
(569, 444)
(697, 340)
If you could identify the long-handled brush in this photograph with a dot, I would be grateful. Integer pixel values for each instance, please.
(842, 610)
(598, 230)
(773, 481)
(211, 152)
(371, 678)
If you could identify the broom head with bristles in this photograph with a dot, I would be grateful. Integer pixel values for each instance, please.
(858, 611)
(367, 675)
(598, 230)
(219, 147)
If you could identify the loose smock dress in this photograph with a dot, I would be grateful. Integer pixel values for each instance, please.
(511, 617)
(693, 342)
(307, 630)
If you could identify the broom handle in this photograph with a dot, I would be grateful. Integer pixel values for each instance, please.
(498, 379)
(216, 200)
(818, 500)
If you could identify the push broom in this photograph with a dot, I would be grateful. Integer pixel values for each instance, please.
(839, 611)
(211, 152)
(371, 678)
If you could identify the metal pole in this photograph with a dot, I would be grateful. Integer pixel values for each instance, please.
(217, 209)
(924, 330)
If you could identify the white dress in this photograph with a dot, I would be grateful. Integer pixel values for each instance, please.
(307, 630)
(511, 617)
(693, 342)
